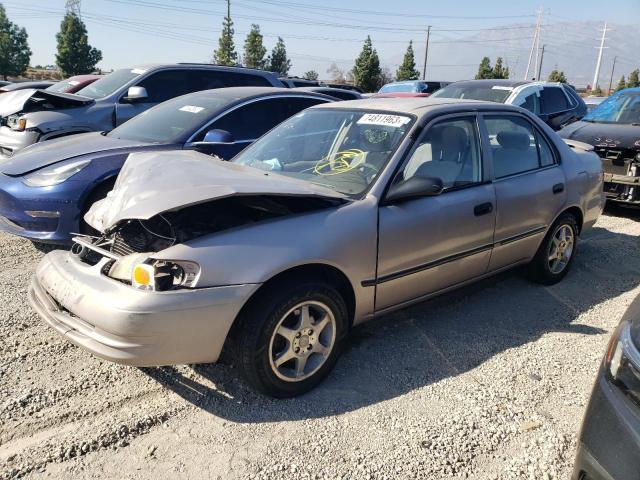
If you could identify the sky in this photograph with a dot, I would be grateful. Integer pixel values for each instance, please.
(316, 32)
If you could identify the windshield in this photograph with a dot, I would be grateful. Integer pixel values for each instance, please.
(621, 107)
(337, 148)
(62, 86)
(470, 91)
(399, 87)
(109, 84)
(170, 121)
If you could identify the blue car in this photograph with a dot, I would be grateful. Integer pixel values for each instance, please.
(46, 188)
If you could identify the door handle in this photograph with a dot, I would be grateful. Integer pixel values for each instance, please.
(558, 188)
(483, 209)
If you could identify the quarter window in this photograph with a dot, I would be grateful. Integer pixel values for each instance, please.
(516, 146)
(448, 150)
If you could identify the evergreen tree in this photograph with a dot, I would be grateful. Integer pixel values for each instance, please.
(75, 56)
(366, 71)
(557, 76)
(14, 49)
(311, 75)
(484, 70)
(254, 50)
(226, 52)
(634, 81)
(407, 71)
(498, 70)
(278, 61)
(622, 84)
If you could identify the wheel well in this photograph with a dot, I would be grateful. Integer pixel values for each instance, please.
(577, 213)
(104, 184)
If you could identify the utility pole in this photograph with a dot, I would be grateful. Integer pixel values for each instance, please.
(602, 47)
(426, 52)
(534, 42)
(540, 66)
(613, 67)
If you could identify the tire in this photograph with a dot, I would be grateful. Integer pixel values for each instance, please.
(257, 346)
(542, 268)
(97, 194)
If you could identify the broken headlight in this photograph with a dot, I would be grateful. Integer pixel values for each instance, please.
(16, 122)
(55, 174)
(161, 275)
(623, 363)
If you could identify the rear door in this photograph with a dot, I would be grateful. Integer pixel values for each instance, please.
(529, 186)
(430, 243)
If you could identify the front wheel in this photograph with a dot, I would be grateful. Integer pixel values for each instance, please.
(556, 253)
(290, 338)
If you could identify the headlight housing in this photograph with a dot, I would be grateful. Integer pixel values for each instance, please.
(161, 275)
(55, 174)
(623, 363)
(16, 122)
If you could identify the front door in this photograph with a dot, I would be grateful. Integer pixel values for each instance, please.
(431, 243)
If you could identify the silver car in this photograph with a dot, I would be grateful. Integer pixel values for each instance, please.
(340, 214)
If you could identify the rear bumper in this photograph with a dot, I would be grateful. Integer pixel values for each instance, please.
(116, 322)
(609, 446)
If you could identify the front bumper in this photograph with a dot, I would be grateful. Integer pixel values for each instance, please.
(59, 202)
(116, 322)
(12, 141)
(609, 446)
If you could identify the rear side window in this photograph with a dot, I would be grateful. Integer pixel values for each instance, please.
(253, 120)
(516, 145)
(553, 100)
(209, 79)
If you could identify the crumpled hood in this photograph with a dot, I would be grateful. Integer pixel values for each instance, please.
(40, 155)
(153, 183)
(14, 102)
(603, 134)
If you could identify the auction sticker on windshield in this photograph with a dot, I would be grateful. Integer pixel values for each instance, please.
(383, 119)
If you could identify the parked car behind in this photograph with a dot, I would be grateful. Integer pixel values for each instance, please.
(337, 93)
(592, 101)
(12, 87)
(413, 86)
(609, 441)
(293, 82)
(46, 189)
(73, 84)
(557, 104)
(112, 100)
(342, 213)
(613, 128)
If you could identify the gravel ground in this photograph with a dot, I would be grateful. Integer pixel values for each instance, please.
(489, 382)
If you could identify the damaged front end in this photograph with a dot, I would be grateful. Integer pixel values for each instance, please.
(126, 249)
(621, 174)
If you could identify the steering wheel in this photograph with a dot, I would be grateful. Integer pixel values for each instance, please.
(341, 162)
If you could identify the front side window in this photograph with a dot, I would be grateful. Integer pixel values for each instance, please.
(340, 149)
(107, 85)
(166, 84)
(450, 151)
(530, 102)
(516, 146)
(553, 100)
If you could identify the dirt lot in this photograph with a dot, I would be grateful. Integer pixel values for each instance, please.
(487, 382)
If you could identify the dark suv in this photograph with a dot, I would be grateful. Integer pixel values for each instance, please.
(41, 115)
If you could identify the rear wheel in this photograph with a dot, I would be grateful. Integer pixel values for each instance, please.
(290, 337)
(556, 253)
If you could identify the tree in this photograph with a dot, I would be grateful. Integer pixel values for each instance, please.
(14, 48)
(226, 52)
(407, 71)
(75, 56)
(385, 77)
(336, 73)
(557, 76)
(254, 50)
(498, 70)
(279, 63)
(311, 75)
(484, 70)
(622, 84)
(634, 81)
(366, 71)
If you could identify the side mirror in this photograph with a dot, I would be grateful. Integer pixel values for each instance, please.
(414, 187)
(218, 136)
(136, 94)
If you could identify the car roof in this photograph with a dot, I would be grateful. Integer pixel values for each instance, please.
(496, 81)
(211, 66)
(411, 104)
(241, 93)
